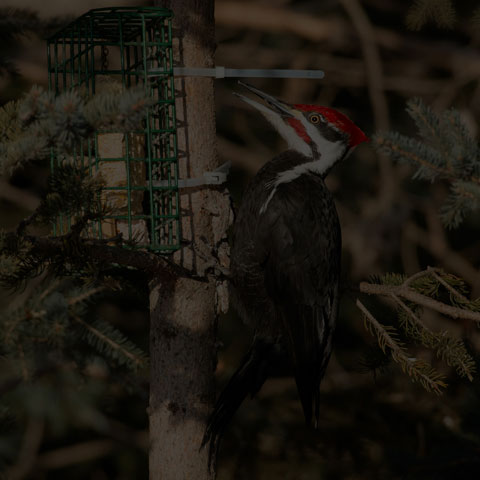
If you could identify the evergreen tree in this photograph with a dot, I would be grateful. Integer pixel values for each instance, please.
(55, 339)
(445, 151)
(441, 12)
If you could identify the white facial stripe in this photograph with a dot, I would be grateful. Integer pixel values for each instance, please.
(288, 133)
(285, 130)
(330, 152)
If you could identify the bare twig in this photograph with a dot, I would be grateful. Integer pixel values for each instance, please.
(409, 255)
(273, 19)
(147, 262)
(32, 439)
(49, 289)
(18, 196)
(375, 82)
(433, 241)
(73, 454)
(85, 295)
(414, 277)
(339, 71)
(24, 368)
(335, 30)
(372, 60)
(412, 295)
(87, 451)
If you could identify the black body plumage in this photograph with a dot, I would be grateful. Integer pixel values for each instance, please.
(285, 266)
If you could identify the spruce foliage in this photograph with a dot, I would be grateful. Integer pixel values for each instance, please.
(30, 128)
(445, 151)
(58, 354)
(442, 13)
(16, 23)
(435, 284)
(57, 315)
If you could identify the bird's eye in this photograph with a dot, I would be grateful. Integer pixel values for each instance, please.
(314, 118)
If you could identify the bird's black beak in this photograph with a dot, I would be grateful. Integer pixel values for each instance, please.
(279, 107)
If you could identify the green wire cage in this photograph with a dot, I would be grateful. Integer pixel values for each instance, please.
(115, 48)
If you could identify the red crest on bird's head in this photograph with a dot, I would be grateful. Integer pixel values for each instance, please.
(337, 120)
(322, 135)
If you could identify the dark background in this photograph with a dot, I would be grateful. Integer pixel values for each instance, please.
(374, 424)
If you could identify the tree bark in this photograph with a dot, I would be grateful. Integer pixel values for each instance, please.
(183, 311)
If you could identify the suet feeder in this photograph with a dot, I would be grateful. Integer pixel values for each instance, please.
(115, 48)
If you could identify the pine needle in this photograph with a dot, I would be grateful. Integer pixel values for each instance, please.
(417, 370)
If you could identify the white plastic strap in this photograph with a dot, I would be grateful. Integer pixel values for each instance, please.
(217, 177)
(222, 72)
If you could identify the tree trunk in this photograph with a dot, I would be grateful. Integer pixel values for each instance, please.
(183, 311)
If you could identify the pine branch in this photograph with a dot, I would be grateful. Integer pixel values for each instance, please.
(108, 340)
(63, 122)
(412, 325)
(412, 295)
(84, 296)
(51, 248)
(423, 290)
(16, 261)
(441, 12)
(408, 150)
(464, 198)
(418, 370)
(71, 192)
(464, 149)
(431, 128)
(446, 151)
(46, 318)
(433, 272)
(453, 352)
(449, 349)
(10, 125)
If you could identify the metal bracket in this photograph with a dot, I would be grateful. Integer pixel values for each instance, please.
(217, 177)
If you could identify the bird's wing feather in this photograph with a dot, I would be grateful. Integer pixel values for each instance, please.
(300, 238)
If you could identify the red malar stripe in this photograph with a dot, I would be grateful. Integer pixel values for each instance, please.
(300, 129)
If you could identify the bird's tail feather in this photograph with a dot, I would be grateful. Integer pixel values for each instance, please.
(309, 342)
(247, 380)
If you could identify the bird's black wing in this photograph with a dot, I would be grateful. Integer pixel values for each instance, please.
(299, 240)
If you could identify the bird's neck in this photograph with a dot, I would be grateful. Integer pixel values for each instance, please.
(324, 156)
(290, 165)
(317, 159)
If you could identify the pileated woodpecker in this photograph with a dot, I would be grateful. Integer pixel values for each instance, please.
(285, 260)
